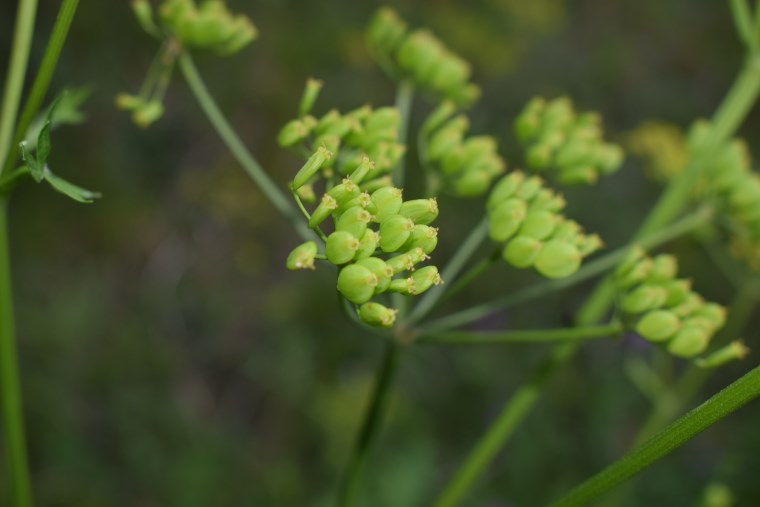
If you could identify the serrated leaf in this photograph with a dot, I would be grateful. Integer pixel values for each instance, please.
(43, 145)
(35, 169)
(79, 194)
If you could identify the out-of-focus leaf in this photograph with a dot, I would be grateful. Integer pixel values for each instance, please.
(64, 110)
(79, 194)
(35, 169)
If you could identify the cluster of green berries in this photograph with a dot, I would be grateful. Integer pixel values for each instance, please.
(208, 26)
(467, 166)
(525, 214)
(568, 143)
(736, 189)
(377, 239)
(662, 308)
(351, 137)
(419, 56)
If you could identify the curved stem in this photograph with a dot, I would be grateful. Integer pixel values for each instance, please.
(571, 334)
(450, 272)
(43, 76)
(589, 270)
(371, 425)
(12, 409)
(713, 410)
(745, 25)
(237, 148)
(22, 41)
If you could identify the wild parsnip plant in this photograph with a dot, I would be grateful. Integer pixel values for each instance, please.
(348, 206)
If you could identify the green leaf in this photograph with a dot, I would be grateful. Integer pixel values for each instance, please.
(35, 169)
(64, 110)
(79, 194)
(43, 145)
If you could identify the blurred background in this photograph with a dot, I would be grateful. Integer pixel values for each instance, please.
(169, 359)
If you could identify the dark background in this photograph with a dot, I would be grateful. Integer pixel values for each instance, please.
(168, 358)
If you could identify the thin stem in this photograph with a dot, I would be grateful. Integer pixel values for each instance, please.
(404, 97)
(589, 270)
(371, 425)
(237, 148)
(744, 23)
(307, 215)
(43, 76)
(8, 180)
(572, 334)
(12, 409)
(468, 247)
(22, 41)
(491, 442)
(470, 276)
(733, 397)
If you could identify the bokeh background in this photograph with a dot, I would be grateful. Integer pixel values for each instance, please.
(169, 359)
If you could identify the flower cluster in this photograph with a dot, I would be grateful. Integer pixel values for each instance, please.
(208, 26)
(378, 239)
(737, 191)
(664, 309)
(466, 165)
(419, 56)
(352, 137)
(662, 146)
(569, 143)
(525, 214)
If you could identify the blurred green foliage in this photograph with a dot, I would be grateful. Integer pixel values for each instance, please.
(168, 358)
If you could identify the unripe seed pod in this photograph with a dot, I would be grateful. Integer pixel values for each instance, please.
(609, 158)
(426, 277)
(324, 210)
(731, 352)
(424, 237)
(567, 230)
(688, 342)
(558, 259)
(575, 152)
(578, 175)
(473, 182)
(378, 315)
(522, 251)
(547, 200)
(344, 191)
(354, 221)
(376, 184)
(383, 118)
(302, 256)
(144, 14)
(366, 167)
(386, 31)
(388, 201)
(643, 298)
(306, 194)
(539, 224)
(678, 292)
(294, 132)
(310, 168)
(403, 286)
(421, 211)
(633, 257)
(148, 113)
(658, 325)
(702, 323)
(394, 232)
(505, 219)
(714, 313)
(329, 142)
(341, 247)
(310, 94)
(447, 137)
(691, 304)
(529, 188)
(664, 268)
(440, 114)
(357, 283)
(381, 270)
(589, 244)
(400, 263)
(538, 156)
(127, 102)
(505, 188)
(528, 123)
(362, 200)
(367, 244)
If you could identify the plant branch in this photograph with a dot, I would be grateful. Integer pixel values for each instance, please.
(404, 98)
(237, 148)
(373, 419)
(12, 409)
(713, 410)
(572, 334)
(22, 41)
(44, 75)
(744, 24)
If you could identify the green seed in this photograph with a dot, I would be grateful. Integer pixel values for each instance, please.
(426, 277)
(367, 244)
(658, 325)
(356, 283)
(378, 315)
(302, 256)
(504, 220)
(310, 168)
(387, 201)
(354, 220)
(505, 188)
(341, 247)
(558, 259)
(394, 232)
(380, 269)
(539, 224)
(688, 342)
(421, 211)
(522, 251)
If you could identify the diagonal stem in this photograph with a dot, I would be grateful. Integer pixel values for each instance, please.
(571, 334)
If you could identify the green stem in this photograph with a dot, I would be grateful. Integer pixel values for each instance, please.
(8, 180)
(470, 276)
(307, 215)
(12, 410)
(468, 247)
(22, 41)
(373, 419)
(589, 270)
(745, 25)
(500, 430)
(237, 148)
(713, 410)
(404, 97)
(572, 334)
(44, 75)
